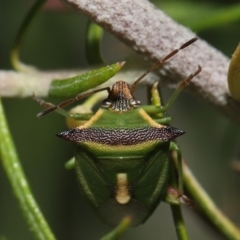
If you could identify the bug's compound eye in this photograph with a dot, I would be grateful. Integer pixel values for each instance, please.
(135, 103)
(106, 103)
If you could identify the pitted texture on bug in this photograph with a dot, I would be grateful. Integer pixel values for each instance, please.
(121, 136)
(120, 97)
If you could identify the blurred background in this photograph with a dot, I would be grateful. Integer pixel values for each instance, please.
(56, 40)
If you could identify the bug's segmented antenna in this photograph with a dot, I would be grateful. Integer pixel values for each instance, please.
(180, 87)
(50, 107)
(185, 82)
(160, 62)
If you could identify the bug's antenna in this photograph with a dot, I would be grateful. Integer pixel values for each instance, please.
(160, 62)
(50, 107)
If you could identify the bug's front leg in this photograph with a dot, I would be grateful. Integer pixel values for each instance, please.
(177, 158)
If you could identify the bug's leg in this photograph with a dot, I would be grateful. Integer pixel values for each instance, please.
(175, 189)
(174, 193)
(156, 101)
(154, 109)
(174, 148)
(180, 87)
(176, 182)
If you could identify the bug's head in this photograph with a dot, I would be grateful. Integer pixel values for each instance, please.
(120, 98)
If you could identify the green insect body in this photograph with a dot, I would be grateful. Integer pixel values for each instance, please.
(122, 158)
(123, 151)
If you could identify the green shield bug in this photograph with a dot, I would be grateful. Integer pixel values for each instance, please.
(123, 151)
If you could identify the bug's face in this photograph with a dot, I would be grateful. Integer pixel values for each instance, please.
(120, 98)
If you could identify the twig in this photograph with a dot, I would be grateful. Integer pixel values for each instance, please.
(18, 84)
(208, 206)
(19, 183)
(179, 222)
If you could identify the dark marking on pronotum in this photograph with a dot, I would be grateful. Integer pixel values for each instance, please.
(121, 136)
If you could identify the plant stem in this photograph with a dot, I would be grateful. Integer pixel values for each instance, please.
(93, 41)
(117, 232)
(202, 199)
(179, 222)
(18, 39)
(20, 186)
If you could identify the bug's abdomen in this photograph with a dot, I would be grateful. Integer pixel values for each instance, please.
(118, 183)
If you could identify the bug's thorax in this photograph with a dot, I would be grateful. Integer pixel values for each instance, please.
(120, 98)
